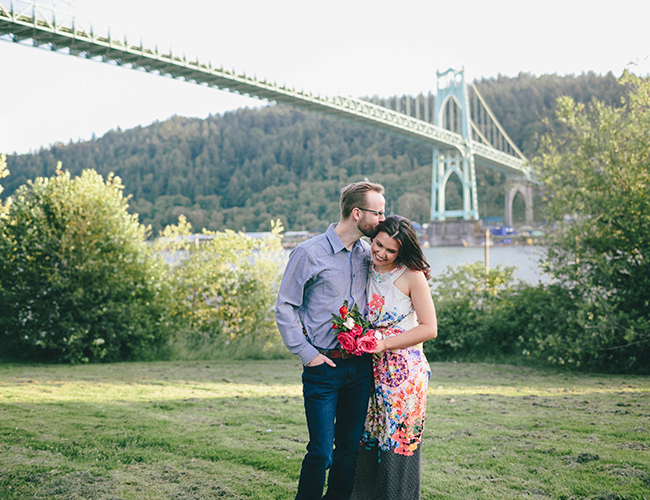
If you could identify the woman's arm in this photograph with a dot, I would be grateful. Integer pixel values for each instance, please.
(420, 293)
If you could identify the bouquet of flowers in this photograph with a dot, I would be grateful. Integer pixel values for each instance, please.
(353, 330)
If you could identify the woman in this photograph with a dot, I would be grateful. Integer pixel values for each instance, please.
(401, 310)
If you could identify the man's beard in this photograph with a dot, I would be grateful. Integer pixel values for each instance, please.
(367, 230)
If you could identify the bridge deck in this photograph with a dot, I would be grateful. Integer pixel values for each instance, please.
(27, 25)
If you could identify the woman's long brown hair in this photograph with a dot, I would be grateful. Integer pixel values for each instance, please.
(410, 253)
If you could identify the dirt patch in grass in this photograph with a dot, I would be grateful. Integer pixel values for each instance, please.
(136, 481)
(636, 445)
(193, 479)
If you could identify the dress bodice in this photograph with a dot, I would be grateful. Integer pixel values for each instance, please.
(389, 309)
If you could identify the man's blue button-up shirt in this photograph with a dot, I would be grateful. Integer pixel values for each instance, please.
(320, 275)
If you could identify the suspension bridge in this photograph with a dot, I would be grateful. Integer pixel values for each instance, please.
(455, 121)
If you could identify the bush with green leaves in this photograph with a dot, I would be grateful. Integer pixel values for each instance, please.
(488, 315)
(597, 183)
(468, 301)
(491, 317)
(225, 284)
(78, 282)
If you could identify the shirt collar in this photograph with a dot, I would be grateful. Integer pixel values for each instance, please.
(335, 241)
(333, 238)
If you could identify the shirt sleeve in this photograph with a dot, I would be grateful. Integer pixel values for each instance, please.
(290, 298)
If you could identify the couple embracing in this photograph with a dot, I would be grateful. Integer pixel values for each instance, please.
(365, 413)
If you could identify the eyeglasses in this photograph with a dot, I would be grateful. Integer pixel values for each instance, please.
(380, 214)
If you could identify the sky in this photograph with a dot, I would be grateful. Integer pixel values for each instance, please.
(338, 47)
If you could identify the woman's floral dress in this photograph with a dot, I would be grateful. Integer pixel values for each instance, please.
(389, 464)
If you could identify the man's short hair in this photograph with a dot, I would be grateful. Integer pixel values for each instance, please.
(354, 195)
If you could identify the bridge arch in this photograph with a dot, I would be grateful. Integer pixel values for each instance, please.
(523, 187)
(451, 115)
(453, 170)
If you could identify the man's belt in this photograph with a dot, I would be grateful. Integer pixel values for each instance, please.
(335, 353)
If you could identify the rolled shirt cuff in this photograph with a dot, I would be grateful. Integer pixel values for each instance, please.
(307, 354)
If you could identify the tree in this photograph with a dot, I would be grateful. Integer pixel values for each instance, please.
(215, 171)
(77, 280)
(3, 173)
(597, 184)
(3, 170)
(414, 206)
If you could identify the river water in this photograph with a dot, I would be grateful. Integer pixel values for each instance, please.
(525, 257)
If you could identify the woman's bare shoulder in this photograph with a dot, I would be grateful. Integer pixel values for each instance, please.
(413, 277)
(414, 274)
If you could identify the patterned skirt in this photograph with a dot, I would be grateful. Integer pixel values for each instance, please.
(389, 462)
(397, 407)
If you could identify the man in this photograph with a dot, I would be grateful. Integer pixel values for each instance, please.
(321, 273)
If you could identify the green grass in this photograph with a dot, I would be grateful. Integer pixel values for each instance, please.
(199, 430)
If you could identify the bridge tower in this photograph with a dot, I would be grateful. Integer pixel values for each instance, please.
(452, 113)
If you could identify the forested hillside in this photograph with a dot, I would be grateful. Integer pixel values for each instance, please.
(246, 167)
(522, 104)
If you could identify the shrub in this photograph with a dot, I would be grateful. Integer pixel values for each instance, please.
(468, 302)
(225, 289)
(512, 321)
(78, 282)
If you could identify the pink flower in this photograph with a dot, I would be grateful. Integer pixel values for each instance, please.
(366, 343)
(377, 302)
(346, 339)
(405, 447)
(356, 330)
(392, 332)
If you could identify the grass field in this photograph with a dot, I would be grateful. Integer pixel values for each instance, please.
(236, 430)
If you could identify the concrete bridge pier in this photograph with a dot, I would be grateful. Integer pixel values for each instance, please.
(525, 187)
(454, 233)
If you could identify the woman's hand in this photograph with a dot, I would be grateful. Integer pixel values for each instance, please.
(381, 346)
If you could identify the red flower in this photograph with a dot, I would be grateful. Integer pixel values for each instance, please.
(356, 330)
(349, 325)
(346, 339)
(366, 343)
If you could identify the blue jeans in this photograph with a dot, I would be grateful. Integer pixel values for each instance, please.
(336, 403)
